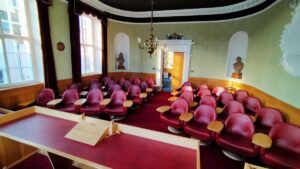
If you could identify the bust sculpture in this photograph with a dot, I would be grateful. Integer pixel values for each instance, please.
(238, 66)
(121, 61)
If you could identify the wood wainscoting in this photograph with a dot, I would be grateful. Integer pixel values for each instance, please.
(129, 75)
(291, 113)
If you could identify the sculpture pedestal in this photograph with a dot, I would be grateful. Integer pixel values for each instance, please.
(236, 75)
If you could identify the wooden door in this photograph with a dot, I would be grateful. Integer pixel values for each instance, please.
(177, 70)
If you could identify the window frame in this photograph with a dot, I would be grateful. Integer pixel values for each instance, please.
(30, 39)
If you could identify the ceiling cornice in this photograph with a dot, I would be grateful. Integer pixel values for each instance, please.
(181, 14)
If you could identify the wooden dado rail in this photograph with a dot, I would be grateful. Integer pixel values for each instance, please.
(129, 75)
(291, 114)
(9, 98)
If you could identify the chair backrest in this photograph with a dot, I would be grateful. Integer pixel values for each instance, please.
(135, 81)
(179, 106)
(143, 86)
(187, 84)
(134, 91)
(188, 96)
(240, 95)
(203, 92)
(94, 81)
(126, 85)
(109, 83)
(70, 96)
(205, 114)
(186, 89)
(120, 81)
(45, 96)
(202, 86)
(94, 96)
(208, 100)
(112, 88)
(150, 82)
(118, 98)
(76, 86)
(252, 104)
(286, 136)
(217, 91)
(225, 98)
(105, 79)
(240, 124)
(95, 85)
(268, 116)
(233, 107)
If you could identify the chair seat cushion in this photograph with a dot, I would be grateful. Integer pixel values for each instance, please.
(171, 119)
(198, 130)
(90, 109)
(136, 100)
(67, 108)
(281, 159)
(237, 143)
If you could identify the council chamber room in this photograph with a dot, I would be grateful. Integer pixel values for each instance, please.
(149, 84)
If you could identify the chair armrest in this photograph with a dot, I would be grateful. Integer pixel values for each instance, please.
(143, 95)
(128, 103)
(105, 93)
(54, 102)
(25, 104)
(163, 109)
(79, 102)
(83, 93)
(149, 90)
(105, 102)
(186, 117)
(102, 87)
(219, 110)
(194, 104)
(5, 111)
(215, 126)
(172, 99)
(262, 140)
(174, 93)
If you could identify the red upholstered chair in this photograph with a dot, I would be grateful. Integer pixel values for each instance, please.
(202, 86)
(184, 84)
(224, 98)
(126, 85)
(92, 103)
(143, 85)
(217, 91)
(94, 81)
(115, 106)
(240, 95)
(252, 105)
(108, 84)
(76, 86)
(150, 82)
(197, 127)
(44, 97)
(284, 152)
(202, 92)
(232, 107)
(171, 117)
(135, 81)
(95, 85)
(134, 95)
(120, 81)
(189, 97)
(266, 118)
(186, 89)
(236, 136)
(209, 100)
(112, 88)
(105, 79)
(67, 102)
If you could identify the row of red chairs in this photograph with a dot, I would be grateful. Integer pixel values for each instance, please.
(234, 130)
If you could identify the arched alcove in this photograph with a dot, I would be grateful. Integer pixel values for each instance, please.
(238, 45)
(121, 51)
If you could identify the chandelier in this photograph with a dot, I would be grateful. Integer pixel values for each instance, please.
(151, 43)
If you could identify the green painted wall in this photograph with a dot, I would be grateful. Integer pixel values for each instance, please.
(209, 55)
(59, 26)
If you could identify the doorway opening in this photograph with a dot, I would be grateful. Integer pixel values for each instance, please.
(173, 70)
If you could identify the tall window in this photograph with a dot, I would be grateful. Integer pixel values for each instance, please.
(17, 52)
(91, 44)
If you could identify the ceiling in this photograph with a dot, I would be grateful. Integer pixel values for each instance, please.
(179, 10)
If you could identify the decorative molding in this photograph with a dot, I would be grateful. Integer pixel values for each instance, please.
(175, 13)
